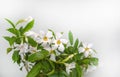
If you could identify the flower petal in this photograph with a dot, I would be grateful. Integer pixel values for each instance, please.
(49, 34)
(59, 35)
(81, 49)
(42, 34)
(61, 47)
(64, 41)
(86, 53)
(52, 57)
(89, 45)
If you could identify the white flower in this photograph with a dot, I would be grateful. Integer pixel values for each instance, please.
(45, 38)
(32, 34)
(86, 49)
(59, 43)
(23, 48)
(51, 52)
(69, 67)
(32, 49)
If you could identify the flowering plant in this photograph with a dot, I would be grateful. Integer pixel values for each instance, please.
(48, 54)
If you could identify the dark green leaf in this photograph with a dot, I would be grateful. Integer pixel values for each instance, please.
(28, 26)
(81, 44)
(13, 31)
(32, 42)
(35, 70)
(79, 71)
(71, 49)
(38, 56)
(10, 22)
(16, 56)
(70, 35)
(58, 74)
(76, 43)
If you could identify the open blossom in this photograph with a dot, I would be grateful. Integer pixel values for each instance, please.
(59, 43)
(86, 49)
(69, 67)
(45, 38)
(23, 48)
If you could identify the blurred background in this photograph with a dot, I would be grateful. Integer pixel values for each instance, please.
(92, 21)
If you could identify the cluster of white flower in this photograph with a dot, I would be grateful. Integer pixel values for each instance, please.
(54, 44)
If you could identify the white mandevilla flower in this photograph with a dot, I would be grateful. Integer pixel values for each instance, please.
(59, 43)
(69, 67)
(23, 48)
(86, 49)
(45, 38)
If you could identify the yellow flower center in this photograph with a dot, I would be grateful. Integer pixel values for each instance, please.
(87, 49)
(45, 38)
(51, 51)
(58, 42)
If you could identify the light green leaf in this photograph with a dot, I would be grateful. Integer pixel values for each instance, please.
(35, 70)
(94, 61)
(11, 40)
(20, 21)
(38, 56)
(70, 35)
(10, 22)
(28, 26)
(9, 50)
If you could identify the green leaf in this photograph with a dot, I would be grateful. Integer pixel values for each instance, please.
(76, 43)
(70, 35)
(90, 61)
(58, 74)
(35, 70)
(38, 56)
(9, 50)
(79, 71)
(28, 26)
(16, 56)
(81, 44)
(13, 31)
(52, 33)
(10, 22)
(11, 40)
(71, 49)
(94, 61)
(32, 42)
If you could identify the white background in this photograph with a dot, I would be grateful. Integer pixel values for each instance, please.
(92, 21)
